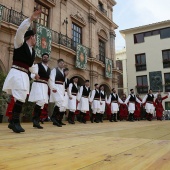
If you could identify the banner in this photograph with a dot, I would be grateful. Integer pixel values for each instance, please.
(108, 68)
(44, 39)
(156, 81)
(1, 13)
(81, 57)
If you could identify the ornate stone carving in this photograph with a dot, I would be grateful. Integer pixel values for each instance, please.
(92, 19)
(79, 18)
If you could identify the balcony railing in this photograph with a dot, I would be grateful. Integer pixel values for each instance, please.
(142, 89)
(102, 10)
(100, 58)
(140, 67)
(14, 17)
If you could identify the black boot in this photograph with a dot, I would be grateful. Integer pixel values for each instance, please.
(114, 117)
(70, 116)
(61, 118)
(97, 118)
(54, 115)
(36, 117)
(101, 118)
(84, 118)
(111, 118)
(131, 117)
(92, 118)
(15, 122)
(10, 124)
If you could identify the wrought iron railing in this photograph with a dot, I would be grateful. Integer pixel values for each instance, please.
(100, 58)
(14, 17)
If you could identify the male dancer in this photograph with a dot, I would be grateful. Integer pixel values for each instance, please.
(114, 100)
(131, 99)
(72, 102)
(149, 106)
(17, 81)
(64, 106)
(83, 99)
(103, 102)
(57, 79)
(95, 102)
(39, 90)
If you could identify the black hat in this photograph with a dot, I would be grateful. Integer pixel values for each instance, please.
(87, 81)
(45, 54)
(96, 84)
(75, 77)
(131, 89)
(66, 69)
(29, 33)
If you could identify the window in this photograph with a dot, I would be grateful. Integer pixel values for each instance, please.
(142, 84)
(43, 20)
(101, 8)
(139, 38)
(101, 50)
(165, 33)
(166, 58)
(76, 34)
(119, 65)
(167, 82)
(140, 62)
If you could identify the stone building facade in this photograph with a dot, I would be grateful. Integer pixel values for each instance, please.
(88, 22)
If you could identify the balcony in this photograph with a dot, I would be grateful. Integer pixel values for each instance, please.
(142, 89)
(100, 58)
(102, 10)
(140, 67)
(14, 17)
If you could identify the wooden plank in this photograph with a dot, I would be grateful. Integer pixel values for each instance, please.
(122, 145)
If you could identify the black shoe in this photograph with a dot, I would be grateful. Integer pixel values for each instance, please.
(91, 119)
(71, 122)
(61, 123)
(96, 121)
(10, 125)
(111, 120)
(55, 122)
(36, 124)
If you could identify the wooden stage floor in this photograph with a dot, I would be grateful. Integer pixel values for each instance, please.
(103, 146)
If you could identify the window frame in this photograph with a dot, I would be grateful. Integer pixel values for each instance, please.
(102, 57)
(140, 66)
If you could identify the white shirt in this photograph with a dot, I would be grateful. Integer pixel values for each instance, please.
(81, 92)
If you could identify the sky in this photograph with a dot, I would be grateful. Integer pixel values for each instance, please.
(134, 13)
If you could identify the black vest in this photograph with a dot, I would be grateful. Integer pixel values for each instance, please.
(59, 76)
(103, 96)
(23, 55)
(85, 91)
(132, 99)
(113, 98)
(42, 72)
(67, 83)
(97, 94)
(74, 89)
(150, 98)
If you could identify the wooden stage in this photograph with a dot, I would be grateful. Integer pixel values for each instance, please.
(103, 146)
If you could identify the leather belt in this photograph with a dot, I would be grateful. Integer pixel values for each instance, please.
(59, 82)
(96, 98)
(85, 96)
(74, 94)
(41, 81)
(102, 99)
(114, 101)
(20, 68)
(149, 102)
(131, 102)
